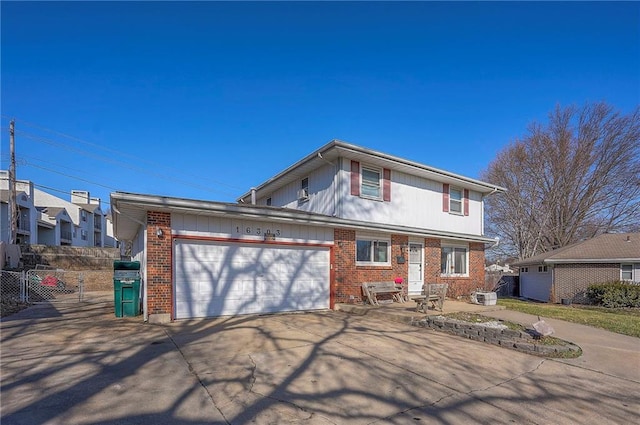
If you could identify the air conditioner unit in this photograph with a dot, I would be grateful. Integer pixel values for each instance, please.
(303, 194)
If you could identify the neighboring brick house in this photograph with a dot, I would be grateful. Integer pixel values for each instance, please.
(308, 237)
(565, 273)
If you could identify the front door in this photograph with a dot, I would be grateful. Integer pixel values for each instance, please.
(415, 269)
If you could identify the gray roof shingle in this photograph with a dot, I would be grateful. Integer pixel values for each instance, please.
(602, 248)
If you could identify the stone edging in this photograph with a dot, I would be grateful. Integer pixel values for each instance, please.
(508, 338)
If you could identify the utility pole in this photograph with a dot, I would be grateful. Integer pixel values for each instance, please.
(13, 204)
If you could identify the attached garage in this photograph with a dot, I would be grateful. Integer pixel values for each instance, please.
(535, 283)
(217, 278)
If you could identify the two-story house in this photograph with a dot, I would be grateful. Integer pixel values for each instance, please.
(308, 237)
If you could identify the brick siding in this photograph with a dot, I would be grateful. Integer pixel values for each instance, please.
(459, 287)
(571, 280)
(158, 278)
(349, 277)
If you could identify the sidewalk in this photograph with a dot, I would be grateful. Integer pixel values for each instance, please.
(602, 351)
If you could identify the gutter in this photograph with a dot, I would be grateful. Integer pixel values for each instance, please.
(159, 203)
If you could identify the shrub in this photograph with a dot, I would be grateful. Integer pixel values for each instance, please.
(614, 294)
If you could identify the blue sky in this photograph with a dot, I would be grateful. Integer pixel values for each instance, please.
(204, 100)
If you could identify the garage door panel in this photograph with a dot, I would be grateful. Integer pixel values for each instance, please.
(213, 279)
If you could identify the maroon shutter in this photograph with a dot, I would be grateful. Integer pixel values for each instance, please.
(386, 185)
(466, 202)
(355, 178)
(445, 197)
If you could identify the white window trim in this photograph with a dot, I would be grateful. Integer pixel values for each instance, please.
(374, 239)
(451, 200)
(303, 192)
(468, 254)
(633, 272)
(380, 183)
(543, 269)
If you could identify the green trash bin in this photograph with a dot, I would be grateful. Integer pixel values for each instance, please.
(126, 288)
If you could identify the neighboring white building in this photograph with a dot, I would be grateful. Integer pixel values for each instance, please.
(46, 219)
(493, 268)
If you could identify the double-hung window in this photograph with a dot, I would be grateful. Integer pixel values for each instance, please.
(372, 251)
(455, 200)
(455, 260)
(370, 186)
(626, 271)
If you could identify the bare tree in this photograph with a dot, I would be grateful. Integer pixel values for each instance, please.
(575, 177)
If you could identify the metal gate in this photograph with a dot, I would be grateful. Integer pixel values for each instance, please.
(12, 287)
(48, 284)
(42, 284)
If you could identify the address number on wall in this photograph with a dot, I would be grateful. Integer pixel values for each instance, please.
(258, 231)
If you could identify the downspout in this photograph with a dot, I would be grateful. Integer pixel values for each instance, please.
(145, 310)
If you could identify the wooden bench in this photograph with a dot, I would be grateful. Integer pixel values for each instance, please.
(372, 289)
(433, 293)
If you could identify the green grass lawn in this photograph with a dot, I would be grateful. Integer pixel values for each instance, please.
(623, 321)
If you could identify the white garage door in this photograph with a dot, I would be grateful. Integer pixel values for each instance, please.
(217, 279)
(536, 286)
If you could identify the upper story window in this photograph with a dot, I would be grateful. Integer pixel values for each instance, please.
(454, 260)
(370, 183)
(268, 202)
(455, 200)
(524, 269)
(372, 251)
(543, 269)
(83, 215)
(303, 193)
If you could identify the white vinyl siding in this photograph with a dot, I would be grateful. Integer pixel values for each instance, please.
(320, 187)
(415, 202)
(253, 230)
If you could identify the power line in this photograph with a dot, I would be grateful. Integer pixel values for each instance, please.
(167, 175)
(112, 151)
(73, 177)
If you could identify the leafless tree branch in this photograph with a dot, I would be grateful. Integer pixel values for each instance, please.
(572, 178)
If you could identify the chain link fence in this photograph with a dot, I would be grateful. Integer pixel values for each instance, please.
(42, 284)
(48, 284)
(13, 292)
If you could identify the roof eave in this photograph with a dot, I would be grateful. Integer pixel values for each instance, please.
(160, 203)
(338, 145)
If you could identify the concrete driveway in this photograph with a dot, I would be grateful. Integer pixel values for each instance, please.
(71, 365)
